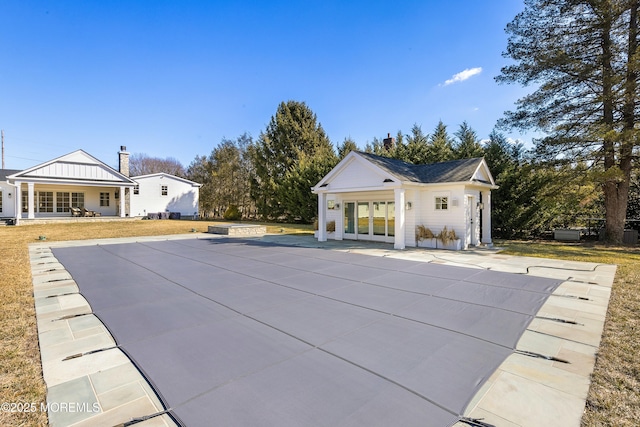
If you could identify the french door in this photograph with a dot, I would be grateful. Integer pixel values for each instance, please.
(369, 220)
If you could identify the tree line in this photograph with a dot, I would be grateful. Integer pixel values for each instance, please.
(582, 60)
(270, 177)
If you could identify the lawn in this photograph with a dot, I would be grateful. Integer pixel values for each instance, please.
(21, 372)
(614, 397)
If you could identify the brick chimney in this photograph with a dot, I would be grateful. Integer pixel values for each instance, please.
(388, 142)
(124, 161)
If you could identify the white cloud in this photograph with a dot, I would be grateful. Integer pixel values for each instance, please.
(463, 75)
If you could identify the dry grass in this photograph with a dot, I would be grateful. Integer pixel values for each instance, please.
(21, 371)
(614, 396)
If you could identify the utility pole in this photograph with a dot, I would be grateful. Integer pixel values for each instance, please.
(2, 133)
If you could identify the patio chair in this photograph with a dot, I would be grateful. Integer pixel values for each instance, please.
(87, 212)
(76, 212)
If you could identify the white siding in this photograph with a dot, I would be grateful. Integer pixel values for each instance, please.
(356, 175)
(335, 215)
(413, 197)
(436, 220)
(182, 196)
(8, 204)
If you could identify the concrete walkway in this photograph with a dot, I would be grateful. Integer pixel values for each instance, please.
(105, 388)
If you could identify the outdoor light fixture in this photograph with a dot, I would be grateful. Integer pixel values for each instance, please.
(480, 205)
(408, 206)
(9, 195)
(337, 205)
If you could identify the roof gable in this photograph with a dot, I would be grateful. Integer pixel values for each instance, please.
(165, 175)
(345, 174)
(483, 174)
(75, 166)
(355, 171)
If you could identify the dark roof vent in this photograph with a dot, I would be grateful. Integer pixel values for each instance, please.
(388, 180)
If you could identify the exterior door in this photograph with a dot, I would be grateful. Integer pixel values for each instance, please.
(369, 220)
(349, 220)
(364, 220)
(470, 218)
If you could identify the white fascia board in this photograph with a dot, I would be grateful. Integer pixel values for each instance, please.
(351, 157)
(23, 175)
(448, 184)
(77, 182)
(168, 175)
(354, 189)
(483, 164)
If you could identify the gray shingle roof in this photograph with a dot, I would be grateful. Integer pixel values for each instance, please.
(4, 173)
(433, 173)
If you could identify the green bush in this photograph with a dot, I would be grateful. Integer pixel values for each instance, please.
(232, 213)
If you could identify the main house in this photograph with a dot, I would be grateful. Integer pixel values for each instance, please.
(78, 182)
(369, 197)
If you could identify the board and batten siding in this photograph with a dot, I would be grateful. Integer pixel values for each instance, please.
(75, 171)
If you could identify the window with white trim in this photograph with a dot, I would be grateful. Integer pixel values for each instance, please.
(0, 201)
(45, 201)
(62, 202)
(442, 203)
(136, 189)
(164, 190)
(77, 200)
(104, 199)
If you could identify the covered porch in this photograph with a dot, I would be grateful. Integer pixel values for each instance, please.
(61, 187)
(378, 216)
(59, 201)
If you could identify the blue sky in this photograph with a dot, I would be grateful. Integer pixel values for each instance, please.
(173, 78)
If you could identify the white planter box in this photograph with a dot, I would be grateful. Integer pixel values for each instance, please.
(455, 245)
(427, 243)
(330, 234)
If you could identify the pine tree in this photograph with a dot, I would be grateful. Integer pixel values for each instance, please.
(582, 56)
(292, 134)
(467, 145)
(441, 145)
(417, 146)
(347, 146)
